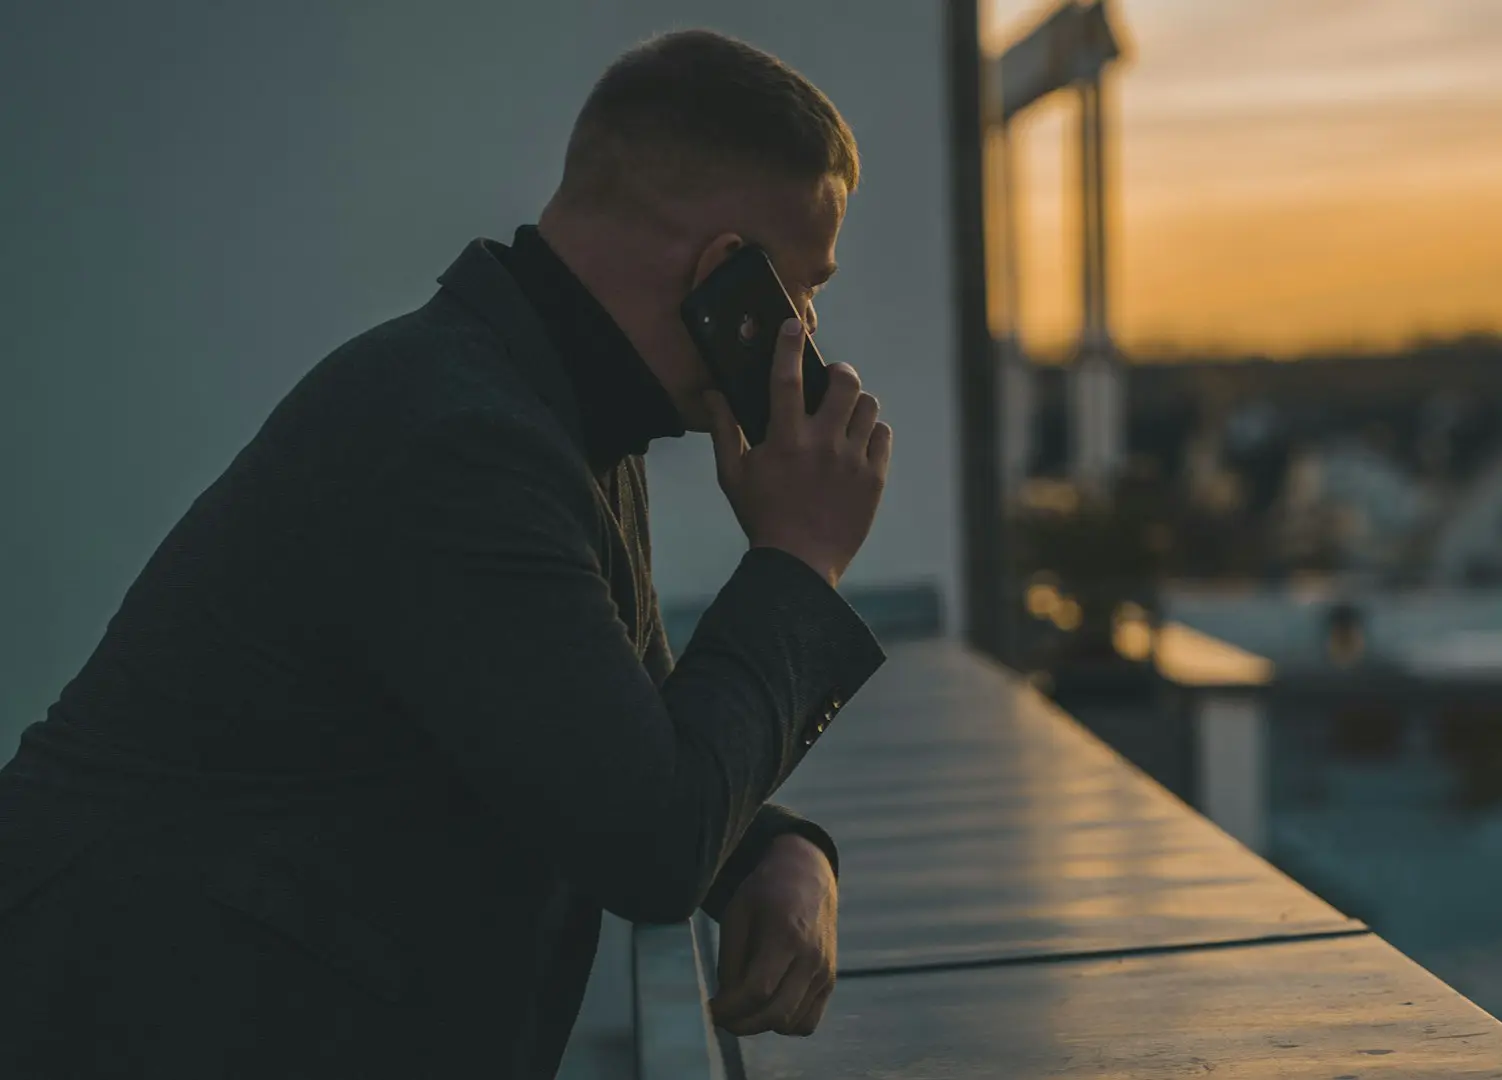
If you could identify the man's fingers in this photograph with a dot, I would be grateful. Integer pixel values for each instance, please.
(838, 406)
(879, 449)
(779, 1007)
(787, 407)
(863, 420)
(806, 1020)
(735, 947)
(758, 984)
(729, 442)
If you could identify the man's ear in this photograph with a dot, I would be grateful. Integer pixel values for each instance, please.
(718, 250)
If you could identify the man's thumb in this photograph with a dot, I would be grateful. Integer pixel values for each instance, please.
(729, 443)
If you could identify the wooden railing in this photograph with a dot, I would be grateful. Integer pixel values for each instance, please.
(675, 1038)
(1018, 900)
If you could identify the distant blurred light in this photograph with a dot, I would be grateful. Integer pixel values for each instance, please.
(1068, 615)
(1050, 496)
(1042, 598)
(1188, 657)
(1131, 632)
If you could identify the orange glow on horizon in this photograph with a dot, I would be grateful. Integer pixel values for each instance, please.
(1289, 176)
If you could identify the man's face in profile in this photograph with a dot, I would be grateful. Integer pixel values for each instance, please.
(798, 225)
(805, 256)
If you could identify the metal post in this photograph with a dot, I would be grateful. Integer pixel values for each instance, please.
(1112, 375)
(1090, 330)
(1231, 766)
(1096, 379)
(1098, 162)
(978, 385)
(1086, 414)
(1016, 375)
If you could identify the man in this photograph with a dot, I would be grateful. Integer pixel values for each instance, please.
(389, 717)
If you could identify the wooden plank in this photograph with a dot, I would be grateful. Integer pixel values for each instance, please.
(976, 822)
(1307, 1010)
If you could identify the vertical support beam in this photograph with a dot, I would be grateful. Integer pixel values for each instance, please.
(1089, 225)
(977, 384)
(1098, 162)
(1085, 413)
(1017, 418)
(1016, 407)
(1231, 765)
(1097, 407)
(1112, 374)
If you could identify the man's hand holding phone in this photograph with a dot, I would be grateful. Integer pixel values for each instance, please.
(811, 488)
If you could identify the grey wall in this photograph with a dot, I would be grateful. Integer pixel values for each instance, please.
(202, 199)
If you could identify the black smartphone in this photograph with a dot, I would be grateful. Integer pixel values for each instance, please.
(734, 316)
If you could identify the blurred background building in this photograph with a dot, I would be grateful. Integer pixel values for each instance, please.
(1302, 208)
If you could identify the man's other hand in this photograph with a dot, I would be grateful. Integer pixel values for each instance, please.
(777, 944)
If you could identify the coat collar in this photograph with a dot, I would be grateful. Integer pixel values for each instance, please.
(618, 406)
(478, 281)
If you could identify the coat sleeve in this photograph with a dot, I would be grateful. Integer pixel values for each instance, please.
(480, 608)
(771, 820)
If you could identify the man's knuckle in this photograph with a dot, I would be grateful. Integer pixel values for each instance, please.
(763, 989)
(783, 929)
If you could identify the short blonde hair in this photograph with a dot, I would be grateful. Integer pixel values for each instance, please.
(686, 108)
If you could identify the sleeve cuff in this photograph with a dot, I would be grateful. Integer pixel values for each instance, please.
(770, 822)
(829, 632)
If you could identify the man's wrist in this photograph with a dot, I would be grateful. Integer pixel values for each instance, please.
(795, 846)
(818, 565)
(804, 838)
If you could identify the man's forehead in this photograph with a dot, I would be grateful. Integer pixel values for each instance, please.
(797, 221)
(804, 220)
(820, 208)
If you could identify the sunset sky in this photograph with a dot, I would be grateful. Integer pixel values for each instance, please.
(1291, 175)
